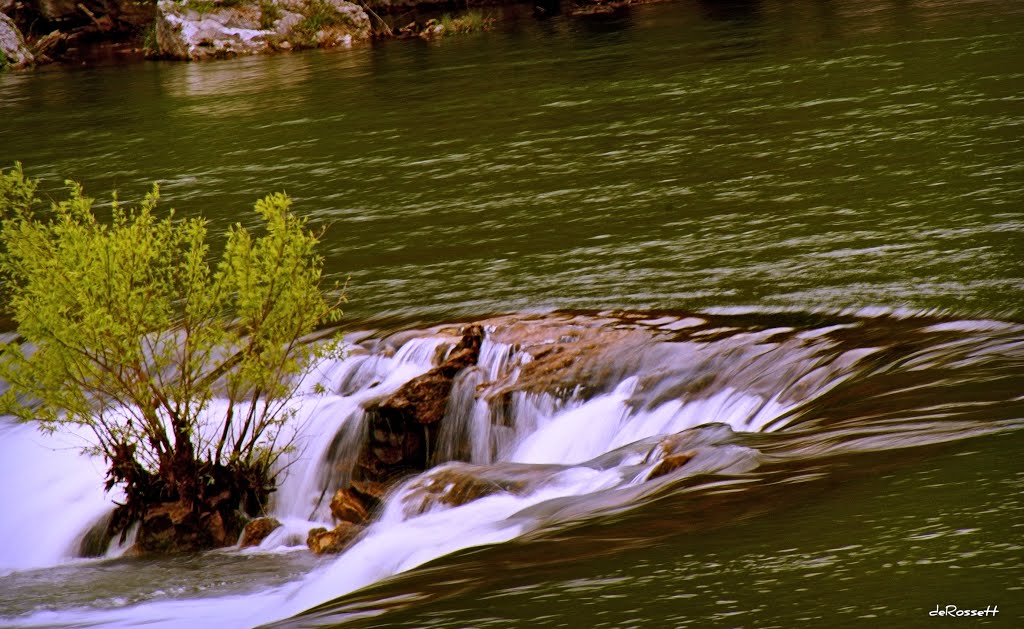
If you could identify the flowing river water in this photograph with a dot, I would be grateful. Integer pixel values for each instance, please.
(790, 231)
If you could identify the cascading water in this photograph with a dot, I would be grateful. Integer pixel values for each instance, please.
(566, 417)
(329, 430)
(51, 493)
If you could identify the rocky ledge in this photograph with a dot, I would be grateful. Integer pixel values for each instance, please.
(554, 355)
(13, 51)
(201, 29)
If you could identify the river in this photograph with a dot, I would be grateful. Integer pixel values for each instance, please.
(769, 175)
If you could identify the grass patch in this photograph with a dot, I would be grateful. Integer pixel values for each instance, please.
(469, 22)
(322, 15)
(270, 13)
(150, 47)
(208, 6)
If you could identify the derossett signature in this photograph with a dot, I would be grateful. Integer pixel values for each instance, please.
(953, 610)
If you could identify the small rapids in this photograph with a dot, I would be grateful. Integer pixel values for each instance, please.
(566, 418)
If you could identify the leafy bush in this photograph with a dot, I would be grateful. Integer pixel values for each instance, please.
(180, 368)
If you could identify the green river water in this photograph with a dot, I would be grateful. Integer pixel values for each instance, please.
(824, 158)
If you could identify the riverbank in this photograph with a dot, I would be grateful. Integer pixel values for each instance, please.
(41, 32)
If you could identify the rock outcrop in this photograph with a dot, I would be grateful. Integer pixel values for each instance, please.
(347, 506)
(257, 530)
(457, 484)
(403, 425)
(203, 29)
(173, 527)
(13, 51)
(321, 541)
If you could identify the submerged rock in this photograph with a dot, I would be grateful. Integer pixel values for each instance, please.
(457, 484)
(13, 51)
(670, 464)
(257, 530)
(669, 450)
(321, 541)
(202, 29)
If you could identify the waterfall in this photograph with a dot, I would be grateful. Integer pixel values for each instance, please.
(329, 428)
(50, 496)
(53, 494)
(523, 447)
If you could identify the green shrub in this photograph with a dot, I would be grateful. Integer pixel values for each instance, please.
(130, 330)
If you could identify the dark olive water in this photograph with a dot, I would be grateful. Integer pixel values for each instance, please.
(882, 552)
(811, 156)
(698, 154)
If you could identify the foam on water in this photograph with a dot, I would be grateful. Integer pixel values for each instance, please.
(51, 494)
(569, 454)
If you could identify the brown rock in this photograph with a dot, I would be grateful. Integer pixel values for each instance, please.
(169, 527)
(348, 507)
(404, 423)
(566, 351)
(370, 493)
(671, 463)
(457, 486)
(424, 398)
(321, 541)
(174, 527)
(213, 524)
(387, 455)
(257, 530)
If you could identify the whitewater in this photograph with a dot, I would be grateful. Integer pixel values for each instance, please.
(742, 395)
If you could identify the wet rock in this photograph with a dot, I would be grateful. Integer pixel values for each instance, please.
(424, 398)
(670, 451)
(13, 51)
(257, 530)
(321, 541)
(567, 352)
(457, 485)
(96, 541)
(173, 527)
(193, 29)
(404, 423)
(371, 494)
(670, 464)
(166, 527)
(347, 506)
